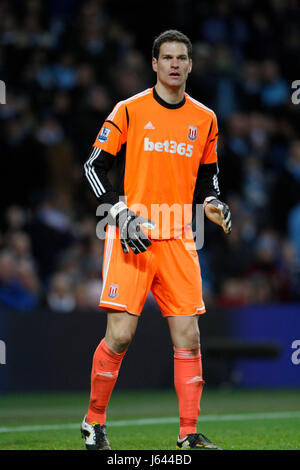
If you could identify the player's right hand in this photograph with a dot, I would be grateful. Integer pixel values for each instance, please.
(129, 223)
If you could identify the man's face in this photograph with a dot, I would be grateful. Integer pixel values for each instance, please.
(173, 64)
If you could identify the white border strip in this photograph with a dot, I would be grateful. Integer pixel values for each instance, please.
(112, 303)
(111, 234)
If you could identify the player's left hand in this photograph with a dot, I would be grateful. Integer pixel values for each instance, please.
(130, 226)
(218, 212)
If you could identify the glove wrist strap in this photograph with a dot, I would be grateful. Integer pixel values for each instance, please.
(117, 208)
(209, 199)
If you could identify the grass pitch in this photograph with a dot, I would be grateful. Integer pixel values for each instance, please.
(148, 420)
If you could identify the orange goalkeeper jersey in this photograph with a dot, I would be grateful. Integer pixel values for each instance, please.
(165, 144)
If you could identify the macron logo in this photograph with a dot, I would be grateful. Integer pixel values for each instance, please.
(106, 374)
(197, 378)
(149, 126)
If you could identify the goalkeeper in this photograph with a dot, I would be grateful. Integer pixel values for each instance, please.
(163, 143)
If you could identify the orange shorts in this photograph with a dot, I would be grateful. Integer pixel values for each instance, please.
(170, 268)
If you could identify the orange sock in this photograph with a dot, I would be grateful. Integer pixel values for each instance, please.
(105, 370)
(188, 385)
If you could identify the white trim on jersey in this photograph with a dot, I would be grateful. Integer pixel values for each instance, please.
(201, 105)
(138, 95)
(90, 173)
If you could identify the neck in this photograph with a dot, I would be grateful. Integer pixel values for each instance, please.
(170, 95)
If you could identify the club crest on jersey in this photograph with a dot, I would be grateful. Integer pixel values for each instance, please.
(103, 135)
(113, 291)
(192, 135)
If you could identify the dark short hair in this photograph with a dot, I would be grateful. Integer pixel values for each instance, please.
(171, 35)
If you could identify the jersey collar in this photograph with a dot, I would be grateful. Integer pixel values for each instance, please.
(165, 104)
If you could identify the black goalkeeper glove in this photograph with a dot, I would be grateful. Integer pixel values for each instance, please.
(129, 223)
(218, 212)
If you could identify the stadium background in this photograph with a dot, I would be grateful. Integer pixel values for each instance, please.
(65, 64)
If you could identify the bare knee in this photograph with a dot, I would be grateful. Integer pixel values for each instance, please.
(184, 332)
(118, 341)
(120, 331)
(190, 338)
(194, 338)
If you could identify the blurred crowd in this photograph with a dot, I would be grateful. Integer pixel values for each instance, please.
(66, 63)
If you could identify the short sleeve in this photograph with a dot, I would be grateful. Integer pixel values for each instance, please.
(113, 133)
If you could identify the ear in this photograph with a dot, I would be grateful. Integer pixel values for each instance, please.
(191, 66)
(154, 64)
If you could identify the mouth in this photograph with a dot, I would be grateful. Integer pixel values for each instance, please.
(174, 74)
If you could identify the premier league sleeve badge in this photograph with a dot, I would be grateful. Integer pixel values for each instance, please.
(103, 134)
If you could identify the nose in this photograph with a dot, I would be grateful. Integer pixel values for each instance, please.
(174, 63)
